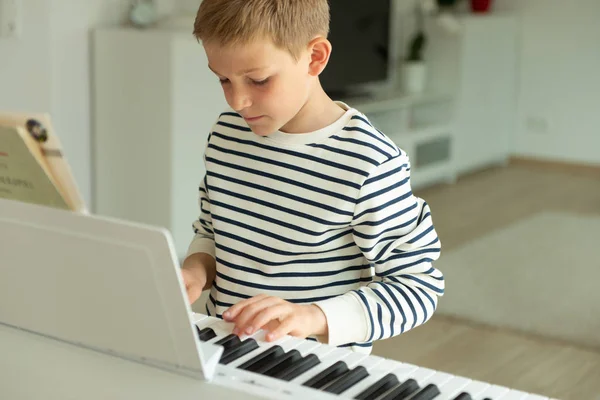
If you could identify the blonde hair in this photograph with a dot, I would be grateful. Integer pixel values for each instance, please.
(290, 24)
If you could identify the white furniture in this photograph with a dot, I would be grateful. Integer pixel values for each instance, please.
(421, 125)
(115, 324)
(479, 66)
(155, 102)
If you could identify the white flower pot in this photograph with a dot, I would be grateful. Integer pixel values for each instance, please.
(414, 77)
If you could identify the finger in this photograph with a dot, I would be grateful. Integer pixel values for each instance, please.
(288, 325)
(234, 310)
(274, 312)
(271, 325)
(244, 322)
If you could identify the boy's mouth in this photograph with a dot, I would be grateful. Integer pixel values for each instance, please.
(252, 119)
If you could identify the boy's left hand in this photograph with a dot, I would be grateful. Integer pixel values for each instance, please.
(278, 316)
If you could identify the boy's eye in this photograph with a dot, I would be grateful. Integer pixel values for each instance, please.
(260, 83)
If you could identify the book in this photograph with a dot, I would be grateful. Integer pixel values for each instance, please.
(33, 167)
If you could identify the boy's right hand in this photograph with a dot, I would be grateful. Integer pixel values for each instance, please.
(194, 282)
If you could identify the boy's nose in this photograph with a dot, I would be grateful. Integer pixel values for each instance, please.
(239, 100)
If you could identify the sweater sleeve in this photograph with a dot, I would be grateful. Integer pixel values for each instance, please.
(394, 231)
(204, 238)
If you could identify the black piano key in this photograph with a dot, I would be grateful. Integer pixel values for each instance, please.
(229, 341)
(282, 362)
(463, 396)
(378, 388)
(236, 352)
(262, 358)
(205, 334)
(429, 392)
(326, 376)
(402, 391)
(347, 380)
(297, 368)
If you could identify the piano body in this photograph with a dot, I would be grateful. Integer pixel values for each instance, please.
(97, 309)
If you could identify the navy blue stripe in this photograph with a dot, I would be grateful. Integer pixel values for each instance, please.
(386, 219)
(299, 199)
(232, 114)
(283, 179)
(295, 301)
(388, 289)
(428, 297)
(270, 220)
(281, 164)
(366, 303)
(373, 223)
(395, 199)
(419, 236)
(274, 206)
(283, 239)
(314, 274)
(366, 132)
(278, 251)
(399, 287)
(356, 344)
(291, 288)
(361, 143)
(298, 154)
(434, 241)
(380, 318)
(392, 313)
(290, 262)
(392, 271)
(346, 153)
(233, 126)
(408, 254)
(426, 284)
(386, 190)
(425, 314)
(383, 176)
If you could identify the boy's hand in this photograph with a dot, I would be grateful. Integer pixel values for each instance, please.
(278, 316)
(194, 283)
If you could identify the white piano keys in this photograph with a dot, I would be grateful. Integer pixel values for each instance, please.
(449, 385)
(476, 388)
(452, 388)
(494, 392)
(406, 371)
(377, 372)
(327, 359)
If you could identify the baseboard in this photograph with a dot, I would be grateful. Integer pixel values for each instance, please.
(592, 170)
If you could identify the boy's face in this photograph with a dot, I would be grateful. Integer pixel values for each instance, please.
(264, 84)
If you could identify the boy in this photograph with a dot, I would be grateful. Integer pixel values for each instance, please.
(308, 225)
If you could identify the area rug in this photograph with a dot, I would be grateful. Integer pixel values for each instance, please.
(540, 275)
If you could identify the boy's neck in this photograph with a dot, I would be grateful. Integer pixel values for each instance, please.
(318, 112)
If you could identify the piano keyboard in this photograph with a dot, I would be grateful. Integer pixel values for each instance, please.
(293, 368)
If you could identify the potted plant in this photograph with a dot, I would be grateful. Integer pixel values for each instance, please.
(414, 74)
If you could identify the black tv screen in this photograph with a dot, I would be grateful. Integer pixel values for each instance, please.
(360, 37)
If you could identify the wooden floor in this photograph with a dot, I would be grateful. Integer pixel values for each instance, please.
(476, 205)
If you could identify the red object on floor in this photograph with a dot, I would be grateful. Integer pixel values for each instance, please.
(481, 6)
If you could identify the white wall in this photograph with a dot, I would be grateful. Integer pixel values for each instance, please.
(559, 92)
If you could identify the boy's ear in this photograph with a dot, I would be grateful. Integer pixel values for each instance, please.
(319, 49)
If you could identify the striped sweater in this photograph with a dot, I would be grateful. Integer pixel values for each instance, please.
(326, 217)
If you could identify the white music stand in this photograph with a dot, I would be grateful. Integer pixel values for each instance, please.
(100, 283)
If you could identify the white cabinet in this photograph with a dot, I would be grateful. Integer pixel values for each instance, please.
(155, 102)
(479, 65)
